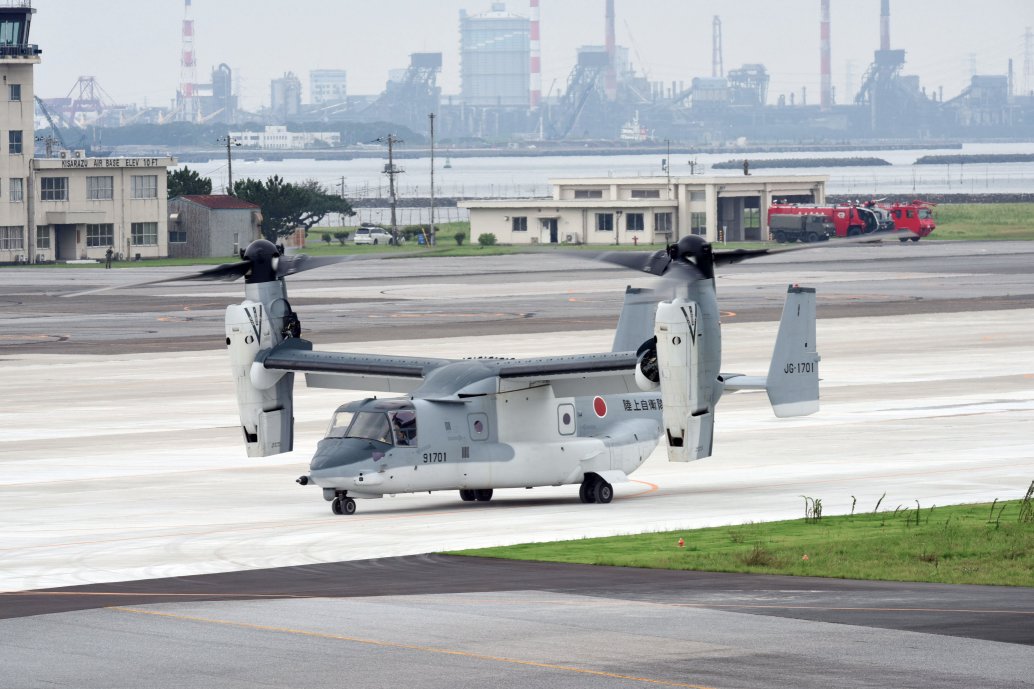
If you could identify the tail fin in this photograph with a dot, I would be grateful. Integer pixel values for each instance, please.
(792, 382)
(793, 375)
(635, 324)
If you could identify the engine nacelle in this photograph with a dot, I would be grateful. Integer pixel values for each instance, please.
(688, 417)
(264, 398)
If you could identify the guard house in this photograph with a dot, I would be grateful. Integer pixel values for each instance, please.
(202, 225)
(73, 206)
(609, 210)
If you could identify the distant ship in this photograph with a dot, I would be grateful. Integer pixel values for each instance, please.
(633, 131)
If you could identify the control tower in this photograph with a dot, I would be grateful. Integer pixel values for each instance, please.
(18, 57)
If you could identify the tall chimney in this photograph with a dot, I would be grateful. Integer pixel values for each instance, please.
(826, 98)
(884, 24)
(611, 82)
(536, 57)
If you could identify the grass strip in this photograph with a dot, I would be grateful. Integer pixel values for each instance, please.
(963, 544)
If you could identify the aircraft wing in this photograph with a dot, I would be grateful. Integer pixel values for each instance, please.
(454, 379)
(373, 372)
(571, 375)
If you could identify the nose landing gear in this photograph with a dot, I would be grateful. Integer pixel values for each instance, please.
(343, 504)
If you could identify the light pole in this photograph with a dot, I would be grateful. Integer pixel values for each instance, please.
(229, 141)
(390, 170)
(430, 240)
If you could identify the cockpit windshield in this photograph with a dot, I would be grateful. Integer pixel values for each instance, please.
(371, 425)
(390, 428)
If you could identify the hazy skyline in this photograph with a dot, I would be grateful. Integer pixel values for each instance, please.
(132, 47)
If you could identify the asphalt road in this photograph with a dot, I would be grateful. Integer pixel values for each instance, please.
(446, 297)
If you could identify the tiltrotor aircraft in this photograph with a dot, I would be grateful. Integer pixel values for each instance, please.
(474, 425)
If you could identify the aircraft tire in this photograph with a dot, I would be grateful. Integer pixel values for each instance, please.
(335, 506)
(587, 491)
(483, 494)
(603, 492)
(348, 506)
(467, 495)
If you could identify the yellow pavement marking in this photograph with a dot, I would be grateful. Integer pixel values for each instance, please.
(411, 647)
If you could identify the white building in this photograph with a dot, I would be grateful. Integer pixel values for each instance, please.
(633, 210)
(327, 86)
(70, 207)
(277, 137)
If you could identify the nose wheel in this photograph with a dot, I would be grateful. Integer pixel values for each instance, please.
(343, 505)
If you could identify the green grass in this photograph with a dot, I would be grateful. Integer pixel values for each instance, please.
(984, 221)
(961, 544)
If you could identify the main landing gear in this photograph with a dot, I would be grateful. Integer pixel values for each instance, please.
(479, 494)
(343, 504)
(595, 489)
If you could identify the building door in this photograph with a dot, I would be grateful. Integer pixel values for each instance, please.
(550, 225)
(65, 243)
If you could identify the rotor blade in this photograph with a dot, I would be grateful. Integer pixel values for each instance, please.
(657, 263)
(722, 258)
(227, 272)
(297, 263)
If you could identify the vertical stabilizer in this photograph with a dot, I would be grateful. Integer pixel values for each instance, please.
(793, 375)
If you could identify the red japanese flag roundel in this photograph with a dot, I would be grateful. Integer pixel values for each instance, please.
(599, 405)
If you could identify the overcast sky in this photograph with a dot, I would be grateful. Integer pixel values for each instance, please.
(132, 47)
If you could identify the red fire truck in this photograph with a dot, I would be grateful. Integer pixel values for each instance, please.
(849, 220)
(916, 217)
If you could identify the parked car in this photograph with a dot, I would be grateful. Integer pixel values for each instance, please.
(372, 235)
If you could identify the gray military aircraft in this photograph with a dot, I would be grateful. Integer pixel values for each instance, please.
(474, 425)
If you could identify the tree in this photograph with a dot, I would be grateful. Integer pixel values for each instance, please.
(287, 207)
(186, 181)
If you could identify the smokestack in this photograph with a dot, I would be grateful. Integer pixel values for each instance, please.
(536, 57)
(611, 82)
(884, 24)
(826, 97)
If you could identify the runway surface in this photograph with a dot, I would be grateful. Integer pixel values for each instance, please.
(121, 462)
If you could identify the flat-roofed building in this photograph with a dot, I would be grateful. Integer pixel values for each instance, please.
(643, 210)
(83, 206)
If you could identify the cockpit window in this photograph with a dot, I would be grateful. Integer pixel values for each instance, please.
(404, 424)
(371, 425)
(339, 424)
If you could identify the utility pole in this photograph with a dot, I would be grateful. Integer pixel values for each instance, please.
(229, 141)
(430, 240)
(390, 170)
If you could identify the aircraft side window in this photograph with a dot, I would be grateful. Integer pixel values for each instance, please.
(478, 424)
(404, 425)
(565, 419)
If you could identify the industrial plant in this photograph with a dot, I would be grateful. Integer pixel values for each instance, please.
(604, 98)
